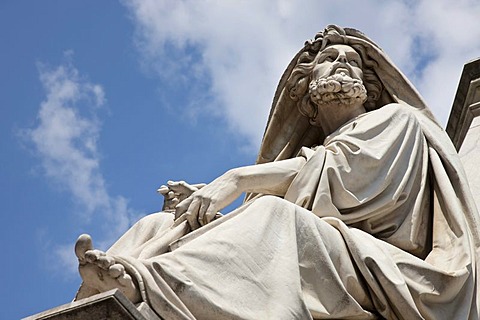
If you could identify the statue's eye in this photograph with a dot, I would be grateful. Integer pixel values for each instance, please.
(354, 62)
(329, 58)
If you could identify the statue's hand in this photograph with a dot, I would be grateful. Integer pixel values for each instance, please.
(202, 206)
(175, 192)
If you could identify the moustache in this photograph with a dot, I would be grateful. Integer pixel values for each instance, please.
(338, 86)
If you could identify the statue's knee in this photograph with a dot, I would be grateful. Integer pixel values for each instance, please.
(159, 218)
(271, 202)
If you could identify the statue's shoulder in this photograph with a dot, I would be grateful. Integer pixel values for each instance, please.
(395, 111)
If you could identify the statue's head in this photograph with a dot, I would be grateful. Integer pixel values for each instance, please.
(333, 73)
(337, 77)
(288, 130)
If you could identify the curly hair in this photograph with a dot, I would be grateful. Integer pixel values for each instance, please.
(298, 81)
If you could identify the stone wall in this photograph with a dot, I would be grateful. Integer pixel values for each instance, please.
(464, 124)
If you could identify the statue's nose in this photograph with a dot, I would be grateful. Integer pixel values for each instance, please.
(342, 57)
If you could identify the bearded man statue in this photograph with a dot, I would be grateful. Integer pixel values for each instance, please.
(357, 208)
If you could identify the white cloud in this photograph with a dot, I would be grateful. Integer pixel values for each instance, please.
(450, 31)
(244, 46)
(65, 140)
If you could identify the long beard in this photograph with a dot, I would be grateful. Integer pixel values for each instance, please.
(337, 89)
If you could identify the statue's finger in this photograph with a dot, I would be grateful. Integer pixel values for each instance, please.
(178, 221)
(210, 214)
(192, 213)
(182, 207)
(183, 196)
(194, 206)
(192, 221)
(163, 189)
(170, 204)
(201, 211)
(174, 184)
(182, 187)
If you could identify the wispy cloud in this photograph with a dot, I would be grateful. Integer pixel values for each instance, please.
(243, 47)
(447, 31)
(65, 140)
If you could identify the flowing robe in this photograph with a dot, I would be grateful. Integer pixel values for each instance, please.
(365, 230)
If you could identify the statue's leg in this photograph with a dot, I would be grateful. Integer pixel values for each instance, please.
(269, 259)
(101, 272)
(146, 238)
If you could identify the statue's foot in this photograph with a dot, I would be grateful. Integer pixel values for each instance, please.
(100, 272)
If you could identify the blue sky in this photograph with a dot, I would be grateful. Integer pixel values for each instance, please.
(104, 101)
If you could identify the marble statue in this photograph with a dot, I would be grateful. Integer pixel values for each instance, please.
(357, 208)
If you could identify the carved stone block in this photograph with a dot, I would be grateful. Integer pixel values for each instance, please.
(464, 124)
(104, 306)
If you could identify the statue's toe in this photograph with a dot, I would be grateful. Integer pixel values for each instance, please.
(116, 270)
(105, 262)
(92, 256)
(84, 243)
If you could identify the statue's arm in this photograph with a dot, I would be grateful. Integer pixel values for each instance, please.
(272, 178)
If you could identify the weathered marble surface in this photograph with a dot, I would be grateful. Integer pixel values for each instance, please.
(358, 208)
(365, 210)
(104, 306)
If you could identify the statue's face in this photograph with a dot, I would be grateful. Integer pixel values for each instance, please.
(338, 78)
(337, 59)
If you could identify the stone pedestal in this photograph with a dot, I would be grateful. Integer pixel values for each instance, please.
(464, 124)
(104, 306)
